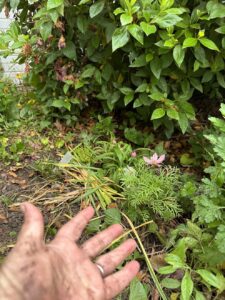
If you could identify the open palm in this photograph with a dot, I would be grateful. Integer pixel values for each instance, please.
(62, 269)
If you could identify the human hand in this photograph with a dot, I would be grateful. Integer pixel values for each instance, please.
(61, 270)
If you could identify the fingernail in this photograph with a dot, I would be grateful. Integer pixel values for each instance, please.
(23, 207)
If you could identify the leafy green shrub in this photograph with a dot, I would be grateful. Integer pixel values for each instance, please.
(198, 246)
(151, 192)
(210, 198)
(142, 54)
(9, 102)
(17, 101)
(184, 259)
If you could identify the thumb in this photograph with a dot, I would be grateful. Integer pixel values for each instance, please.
(33, 226)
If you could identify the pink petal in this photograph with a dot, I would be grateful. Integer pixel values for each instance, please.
(133, 154)
(147, 160)
(154, 156)
(161, 159)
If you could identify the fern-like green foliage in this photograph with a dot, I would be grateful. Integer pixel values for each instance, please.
(151, 192)
(210, 199)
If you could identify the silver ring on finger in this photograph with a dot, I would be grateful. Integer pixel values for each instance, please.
(101, 269)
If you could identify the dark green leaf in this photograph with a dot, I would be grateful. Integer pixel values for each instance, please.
(141, 88)
(217, 281)
(221, 29)
(222, 109)
(196, 84)
(59, 103)
(167, 20)
(220, 79)
(190, 42)
(157, 96)
(70, 50)
(139, 61)
(136, 32)
(126, 19)
(96, 8)
(167, 270)
(149, 57)
(215, 10)
(208, 44)
(128, 98)
(14, 3)
(178, 54)
(156, 67)
(183, 122)
(170, 283)
(88, 72)
(199, 296)
(147, 28)
(46, 30)
(137, 103)
(196, 66)
(118, 11)
(137, 137)
(82, 23)
(186, 286)
(176, 10)
(174, 260)
(54, 3)
(107, 71)
(126, 90)
(208, 75)
(137, 291)
(172, 114)
(166, 4)
(120, 38)
(54, 15)
(84, 2)
(158, 113)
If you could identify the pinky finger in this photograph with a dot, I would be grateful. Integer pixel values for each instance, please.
(118, 281)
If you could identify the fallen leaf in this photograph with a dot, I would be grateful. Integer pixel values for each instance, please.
(157, 261)
(167, 144)
(142, 275)
(21, 182)
(14, 207)
(16, 168)
(3, 218)
(13, 174)
(59, 126)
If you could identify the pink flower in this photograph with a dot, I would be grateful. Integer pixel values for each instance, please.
(133, 154)
(155, 160)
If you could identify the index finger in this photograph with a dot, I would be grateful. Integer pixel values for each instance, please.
(74, 228)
